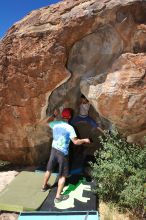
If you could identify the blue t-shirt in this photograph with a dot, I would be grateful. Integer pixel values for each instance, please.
(62, 134)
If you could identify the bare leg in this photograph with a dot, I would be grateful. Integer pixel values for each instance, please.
(46, 178)
(100, 129)
(61, 183)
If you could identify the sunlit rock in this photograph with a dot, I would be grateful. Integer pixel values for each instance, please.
(44, 57)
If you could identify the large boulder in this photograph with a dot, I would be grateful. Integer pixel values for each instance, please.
(121, 98)
(44, 57)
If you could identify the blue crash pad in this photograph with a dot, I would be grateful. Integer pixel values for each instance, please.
(91, 215)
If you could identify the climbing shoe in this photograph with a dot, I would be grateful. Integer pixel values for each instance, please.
(61, 198)
(45, 188)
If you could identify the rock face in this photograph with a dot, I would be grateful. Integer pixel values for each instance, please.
(44, 57)
(122, 96)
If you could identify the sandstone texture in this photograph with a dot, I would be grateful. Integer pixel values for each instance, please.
(45, 56)
(122, 96)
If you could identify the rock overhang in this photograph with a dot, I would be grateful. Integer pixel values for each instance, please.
(37, 57)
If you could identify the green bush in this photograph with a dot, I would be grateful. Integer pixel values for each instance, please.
(120, 172)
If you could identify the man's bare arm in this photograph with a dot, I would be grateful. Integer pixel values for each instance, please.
(49, 118)
(78, 141)
(101, 130)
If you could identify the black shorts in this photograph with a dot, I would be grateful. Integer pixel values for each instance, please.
(57, 157)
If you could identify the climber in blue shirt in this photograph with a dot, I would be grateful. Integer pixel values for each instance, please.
(63, 133)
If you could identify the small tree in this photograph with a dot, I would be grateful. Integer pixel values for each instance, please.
(120, 172)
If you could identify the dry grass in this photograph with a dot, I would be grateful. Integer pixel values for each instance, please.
(110, 212)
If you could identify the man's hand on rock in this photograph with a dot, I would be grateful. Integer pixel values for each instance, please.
(56, 112)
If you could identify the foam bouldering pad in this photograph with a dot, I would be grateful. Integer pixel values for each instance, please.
(81, 196)
(88, 215)
(24, 192)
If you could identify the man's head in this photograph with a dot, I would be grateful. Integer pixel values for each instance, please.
(66, 113)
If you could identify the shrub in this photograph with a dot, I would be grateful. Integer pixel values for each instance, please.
(120, 172)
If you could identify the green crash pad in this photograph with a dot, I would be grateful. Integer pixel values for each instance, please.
(24, 192)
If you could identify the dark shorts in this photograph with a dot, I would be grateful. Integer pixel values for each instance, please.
(58, 158)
